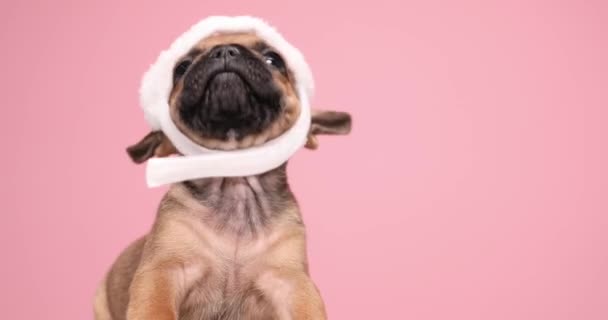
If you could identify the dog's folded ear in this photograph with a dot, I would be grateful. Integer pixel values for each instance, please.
(327, 122)
(153, 144)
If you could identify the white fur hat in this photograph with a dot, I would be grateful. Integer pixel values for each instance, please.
(197, 161)
(158, 80)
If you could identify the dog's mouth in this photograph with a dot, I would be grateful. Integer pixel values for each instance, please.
(225, 99)
(230, 97)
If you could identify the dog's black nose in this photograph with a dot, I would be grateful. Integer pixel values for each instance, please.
(224, 52)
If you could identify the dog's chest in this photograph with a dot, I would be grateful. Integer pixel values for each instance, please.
(228, 290)
(238, 223)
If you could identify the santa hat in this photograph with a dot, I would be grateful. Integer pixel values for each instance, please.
(197, 161)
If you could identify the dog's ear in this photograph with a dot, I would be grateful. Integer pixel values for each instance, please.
(327, 122)
(153, 144)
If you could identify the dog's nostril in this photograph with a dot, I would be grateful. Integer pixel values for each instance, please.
(224, 51)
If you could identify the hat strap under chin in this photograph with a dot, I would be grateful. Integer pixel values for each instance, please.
(199, 162)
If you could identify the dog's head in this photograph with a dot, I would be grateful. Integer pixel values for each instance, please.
(232, 91)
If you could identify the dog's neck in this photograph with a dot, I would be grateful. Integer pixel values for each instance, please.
(245, 205)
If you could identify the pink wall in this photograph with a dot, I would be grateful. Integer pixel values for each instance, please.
(474, 185)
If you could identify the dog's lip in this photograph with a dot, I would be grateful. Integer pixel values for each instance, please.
(214, 75)
(226, 68)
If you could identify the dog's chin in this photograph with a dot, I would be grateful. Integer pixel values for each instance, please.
(228, 99)
(230, 109)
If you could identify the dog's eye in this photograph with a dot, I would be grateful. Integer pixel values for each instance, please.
(181, 68)
(274, 59)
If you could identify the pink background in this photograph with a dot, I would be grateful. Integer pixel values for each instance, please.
(474, 184)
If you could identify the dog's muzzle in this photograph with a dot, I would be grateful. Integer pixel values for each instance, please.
(229, 89)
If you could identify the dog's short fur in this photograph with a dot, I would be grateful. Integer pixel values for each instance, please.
(223, 248)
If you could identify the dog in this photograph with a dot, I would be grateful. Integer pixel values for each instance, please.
(223, 248)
